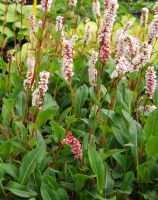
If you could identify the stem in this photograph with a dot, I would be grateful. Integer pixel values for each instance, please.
(9, 65)
(15, 35)
(138, 94)
(21, 21)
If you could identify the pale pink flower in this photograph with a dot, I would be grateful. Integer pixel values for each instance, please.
(106, 31)
(155, 9)
(126, 46)
(74, 40)
(106, 4)
(144, 17)
(143, 57)
(72, 2)
(40, 23)
(87, 36)
(32, 23)
(46, 5)
(146, 108)
(150, 108)
(92, 72)
(153, 30)
(17, 1)
(150, 82)
(96, 9)
(67, 65)
(28, 82)
(123, 66)
(60, 24)
(23, 2)
(128, 26)
(39, 92)
(74, 145)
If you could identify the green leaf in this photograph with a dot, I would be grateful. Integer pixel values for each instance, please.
(126, 184)
(97, 167)
(47, 111)
(80, 98)
(51, 191)
(7, 111)
(119, 136)
(144, 171)
(19, 104)
(151, 147)
(80, 180)
(47, 193)
(10, 169)
(151, 125)
(7, 32)
(22, 129)
(120, 160)
(58, 130)
(117, 119)
(20, 190)
(29, 162)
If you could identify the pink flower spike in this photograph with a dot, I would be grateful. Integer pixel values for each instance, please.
(96, 9)
(32, 23)
(87, 36)
(106, 31)
(75, 145)
(39, 92)
(92, 71)
(72, 2)
(106, 4)
(30, 73)
(67, 65)
(46, 5)
(150, 82)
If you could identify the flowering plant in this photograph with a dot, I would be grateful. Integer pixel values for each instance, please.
(79, 106)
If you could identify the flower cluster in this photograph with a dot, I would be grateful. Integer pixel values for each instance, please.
(10, 55)
(74, 39)
(32, 23)
(150, 82)
(39, 92)
(46, 5)
(127, 46)
(106, 4)
(96, 9)
(146, 108)
(16, 1)
(128, 26)
(150, 108)
(143, 57)
(106, 31)
(155, 9)
(92, 70)
(60, 24)
(144, 17)
(67, 65)
(153, 30)
(23, 2)
(75, 145)
(72, 2)
(123, 66)
(28, 82)
(40, 23)
(87, 36)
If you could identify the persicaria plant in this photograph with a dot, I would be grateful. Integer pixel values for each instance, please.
(79, 97)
